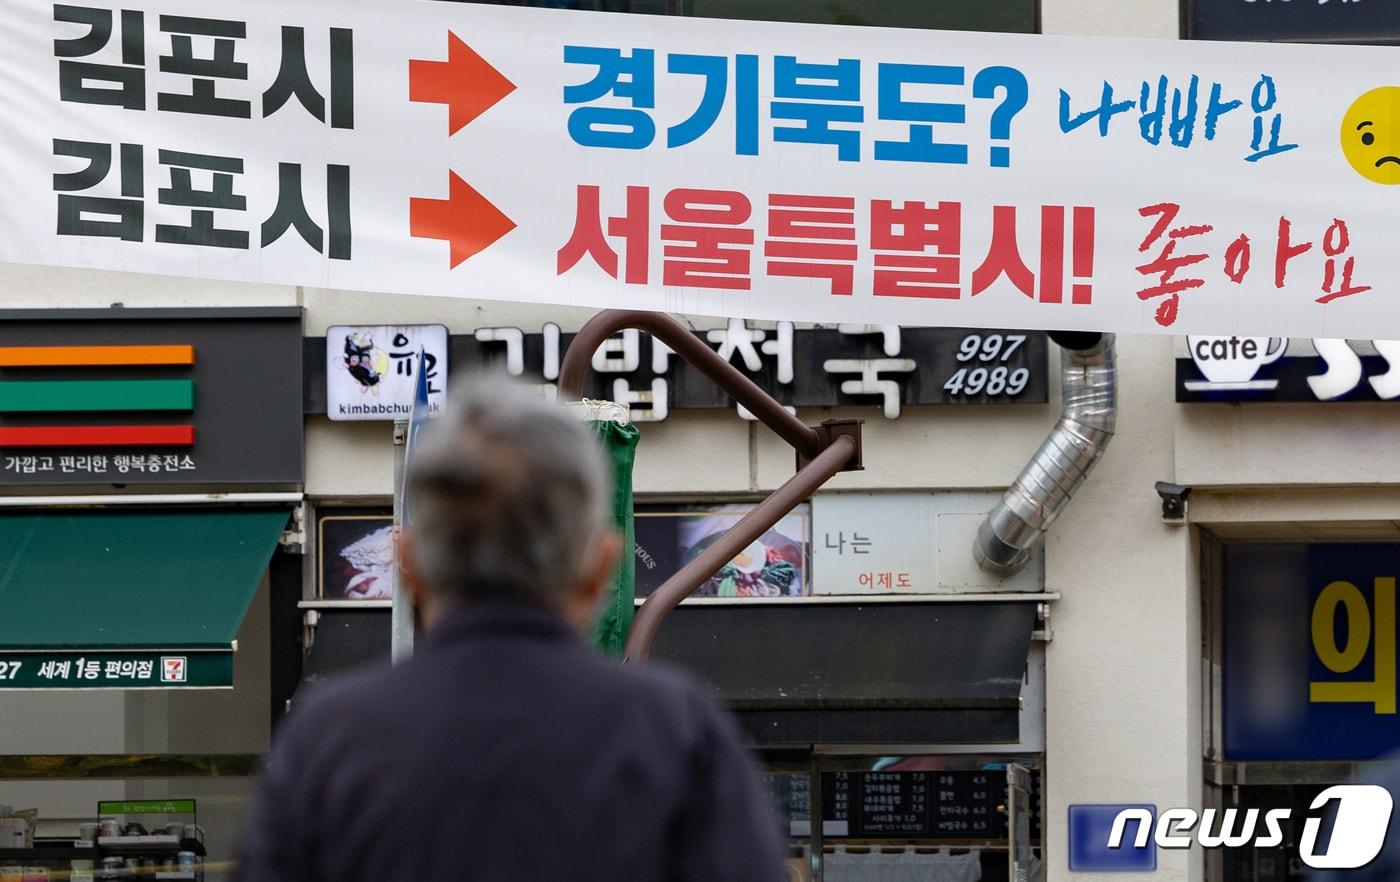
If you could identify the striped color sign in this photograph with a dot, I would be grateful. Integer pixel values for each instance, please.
(94, 356)
(94, 396)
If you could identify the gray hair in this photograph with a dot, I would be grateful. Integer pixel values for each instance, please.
(508, 493)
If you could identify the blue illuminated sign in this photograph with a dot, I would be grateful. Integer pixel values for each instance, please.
(1309, 652)
(1090, 828)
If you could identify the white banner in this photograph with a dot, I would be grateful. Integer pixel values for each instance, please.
(763, 170)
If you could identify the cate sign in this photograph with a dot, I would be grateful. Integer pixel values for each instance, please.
(1237, 369)
(748, 169)
(1232, 362)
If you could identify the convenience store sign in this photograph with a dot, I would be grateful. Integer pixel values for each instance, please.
(109, 413)
(76, 669)
(749, 169)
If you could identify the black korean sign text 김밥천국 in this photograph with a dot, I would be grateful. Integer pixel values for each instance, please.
(885, 366)
(145, 396)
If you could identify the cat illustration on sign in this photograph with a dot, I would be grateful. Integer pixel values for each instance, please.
(364, 361)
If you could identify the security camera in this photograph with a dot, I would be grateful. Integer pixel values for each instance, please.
(1173, 500)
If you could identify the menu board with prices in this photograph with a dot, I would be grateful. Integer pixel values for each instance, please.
(970, 804)
(965, 805)
(836, 799)
(791, 796)
(896, 804)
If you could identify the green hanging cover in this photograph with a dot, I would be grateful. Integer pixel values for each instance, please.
(615, 620)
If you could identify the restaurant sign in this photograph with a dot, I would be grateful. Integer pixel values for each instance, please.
(371, 371)
(888, 366)
(149, 669)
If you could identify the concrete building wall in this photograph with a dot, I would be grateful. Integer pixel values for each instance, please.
(1122, 674)
(1159, 19)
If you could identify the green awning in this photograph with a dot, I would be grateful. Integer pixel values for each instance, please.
(155, 598)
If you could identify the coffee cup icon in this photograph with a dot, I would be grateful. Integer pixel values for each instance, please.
(1232, 362)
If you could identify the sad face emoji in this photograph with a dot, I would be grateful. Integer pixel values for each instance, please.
(1371, 135)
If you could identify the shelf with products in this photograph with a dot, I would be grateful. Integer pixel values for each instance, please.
(139, 845)
(123, 832)
(117, 846)
(41, 854)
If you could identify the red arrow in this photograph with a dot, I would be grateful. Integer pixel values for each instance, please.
(465, 82)
(465, 219)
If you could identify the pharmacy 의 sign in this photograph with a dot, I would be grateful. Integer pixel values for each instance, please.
(749, 169)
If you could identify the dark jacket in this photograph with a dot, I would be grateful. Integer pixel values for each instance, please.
(508, 750)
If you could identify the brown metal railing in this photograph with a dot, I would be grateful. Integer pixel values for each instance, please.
(822, 451)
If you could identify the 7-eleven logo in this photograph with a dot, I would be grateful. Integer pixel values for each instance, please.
(172, 669)
(61, 396)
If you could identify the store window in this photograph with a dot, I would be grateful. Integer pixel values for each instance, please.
(1010, 16)
(140, 677)
(1302, 21)
(888, 689)
(1302, 672)
(355, 553)
(908, 818)
(347, 605)
(670, 535)
(838, 544)
(75, 753)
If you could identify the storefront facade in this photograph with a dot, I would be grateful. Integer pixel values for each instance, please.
(943, 465)
(1121, 627)
(151, 468)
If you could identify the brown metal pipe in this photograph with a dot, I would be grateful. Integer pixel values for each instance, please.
(821, 453)
(753, 525)
(687, 346)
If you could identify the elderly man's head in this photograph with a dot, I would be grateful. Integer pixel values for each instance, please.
(509, 499)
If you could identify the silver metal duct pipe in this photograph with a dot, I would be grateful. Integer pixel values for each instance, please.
(1042, 490)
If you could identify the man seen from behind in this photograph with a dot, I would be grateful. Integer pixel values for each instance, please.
(507, 749)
